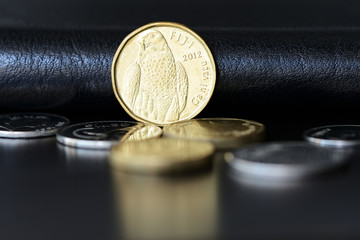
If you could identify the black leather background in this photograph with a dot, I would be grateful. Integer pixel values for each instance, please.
(284, 71)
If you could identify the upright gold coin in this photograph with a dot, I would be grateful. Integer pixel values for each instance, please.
(163, 73)
(225, 133)
(160, 156)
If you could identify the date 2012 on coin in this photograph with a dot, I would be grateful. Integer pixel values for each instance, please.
(163, 73)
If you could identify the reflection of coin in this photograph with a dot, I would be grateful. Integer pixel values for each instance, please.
(104, 134)
(84, 159)
(138, 199)
(161, 155)
(285, 159)
(30, 125)
(163, 73)
(225, 133)
(334, 135)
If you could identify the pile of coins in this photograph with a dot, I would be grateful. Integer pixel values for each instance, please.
(189, 145)
(136, 146)
(163, 75)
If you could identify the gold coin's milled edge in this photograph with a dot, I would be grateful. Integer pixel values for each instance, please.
(134, 33)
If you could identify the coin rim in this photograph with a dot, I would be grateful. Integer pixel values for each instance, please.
(223, 142)
(338, 143)
(279, 170)
(131, 35)
(91, 144)
(33, 134)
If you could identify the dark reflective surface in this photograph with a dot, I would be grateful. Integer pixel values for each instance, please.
(49, 191)
(324, 208)
(46, 194)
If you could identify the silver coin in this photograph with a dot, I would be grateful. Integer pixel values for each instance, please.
(30, 125)
(334, 135)
(286, 159)
(104, 134)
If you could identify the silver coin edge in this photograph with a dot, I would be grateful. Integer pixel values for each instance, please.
(273, 169)
(33, 134)
(330, 142)
(90, 144)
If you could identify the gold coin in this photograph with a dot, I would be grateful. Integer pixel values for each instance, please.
(225, 133)
(159, 156)
(163, 73)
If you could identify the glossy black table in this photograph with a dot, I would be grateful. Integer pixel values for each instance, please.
(49, 191)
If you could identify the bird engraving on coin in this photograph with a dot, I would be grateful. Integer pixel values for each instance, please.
(156, 84)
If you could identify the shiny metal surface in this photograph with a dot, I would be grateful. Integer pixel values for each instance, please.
(224, 133)
(105, 134)
(30, 125)
(334, 135)
(286, 159)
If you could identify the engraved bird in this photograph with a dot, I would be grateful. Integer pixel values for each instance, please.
(156, 85)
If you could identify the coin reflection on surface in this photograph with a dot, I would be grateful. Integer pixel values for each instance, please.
(142, 133)
(105, 134)
(78, 159)
(225, 133)
(151, 207)
(18, 153)
(14, 144)
(161, 156)
(258, 182)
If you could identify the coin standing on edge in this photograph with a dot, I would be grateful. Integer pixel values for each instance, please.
(30, 125)
(104, 134)
(163, 73)
(224, 133)
(334, 135)
(285, 159)
(161, 156)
